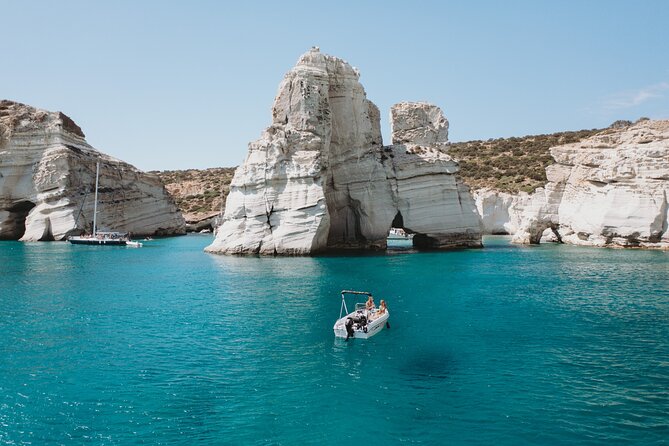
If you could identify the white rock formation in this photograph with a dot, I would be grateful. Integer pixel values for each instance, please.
(418, 123)
(319, 177)
(608, 190)
(500, 212)
(430, 199)
(47, 182)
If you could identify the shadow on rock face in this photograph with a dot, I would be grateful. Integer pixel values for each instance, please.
(14, 224)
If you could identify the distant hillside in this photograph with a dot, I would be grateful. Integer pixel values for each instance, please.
(504, 164)
(510, 164)
(199, 194)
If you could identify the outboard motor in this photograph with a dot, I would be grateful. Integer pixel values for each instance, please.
(355, 323)
(349, 328)
(359, 320)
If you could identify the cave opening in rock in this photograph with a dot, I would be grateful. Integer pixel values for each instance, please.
(398, 221)
(14, 225)
(425, 242)
(399, 237)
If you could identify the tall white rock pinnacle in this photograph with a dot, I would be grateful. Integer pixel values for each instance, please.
(319, 178)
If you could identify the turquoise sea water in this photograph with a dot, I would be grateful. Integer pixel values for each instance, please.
(169, 345)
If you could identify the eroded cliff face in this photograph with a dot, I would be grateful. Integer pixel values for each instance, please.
(608, 190)
(431, 200)
(320, 179)
(500, 212)
(47, 182)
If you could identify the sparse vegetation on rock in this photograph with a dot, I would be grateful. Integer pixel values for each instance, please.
(510, 164)
(199, 194)
(503, 164)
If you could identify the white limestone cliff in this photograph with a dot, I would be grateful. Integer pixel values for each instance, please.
(319, 178)
(608, 190)
(418, 124)
(431, 200)
(500, 212)
(47, 181)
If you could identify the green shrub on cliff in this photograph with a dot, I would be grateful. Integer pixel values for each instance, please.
(505, 164)
(510, 164)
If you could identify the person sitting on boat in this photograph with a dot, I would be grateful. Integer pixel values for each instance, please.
(382, 307)
(369, 305)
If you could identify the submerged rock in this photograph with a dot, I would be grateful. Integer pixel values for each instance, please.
(319, 177)
(47, 183)
(608, 190)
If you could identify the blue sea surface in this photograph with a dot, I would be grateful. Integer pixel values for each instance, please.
(166, 344)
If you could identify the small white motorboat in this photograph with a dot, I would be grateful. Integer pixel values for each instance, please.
(361, 323)
(133, 244)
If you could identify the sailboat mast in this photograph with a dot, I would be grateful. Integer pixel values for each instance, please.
(95, 205)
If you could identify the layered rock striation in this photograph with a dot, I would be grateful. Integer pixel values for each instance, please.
(320, 179)
(431, 200)
(608, 190)
(47, 183)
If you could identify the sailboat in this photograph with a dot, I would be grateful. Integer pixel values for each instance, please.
(100, 237)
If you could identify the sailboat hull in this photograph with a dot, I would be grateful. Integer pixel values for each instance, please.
(102, 238)
(96, 241)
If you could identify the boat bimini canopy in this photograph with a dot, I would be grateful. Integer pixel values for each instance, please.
(343, 310)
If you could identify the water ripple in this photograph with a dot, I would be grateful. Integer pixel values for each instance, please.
(508, 345)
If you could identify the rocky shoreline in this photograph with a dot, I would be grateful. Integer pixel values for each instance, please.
(504, 212)
(199, 194)
(320, 179)
(47, 183)
(608, 190)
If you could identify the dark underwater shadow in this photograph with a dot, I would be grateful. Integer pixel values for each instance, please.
(426, 367)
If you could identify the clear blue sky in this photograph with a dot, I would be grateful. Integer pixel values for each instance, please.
(176, 85)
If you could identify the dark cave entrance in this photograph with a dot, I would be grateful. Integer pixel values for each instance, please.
(399, 238)
(402, 238)
(14, 225)
(398, 221)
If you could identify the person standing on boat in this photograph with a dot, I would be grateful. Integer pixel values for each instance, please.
(369, 305)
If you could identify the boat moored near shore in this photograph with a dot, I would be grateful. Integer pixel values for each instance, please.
(99, 237)
(399, 234)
